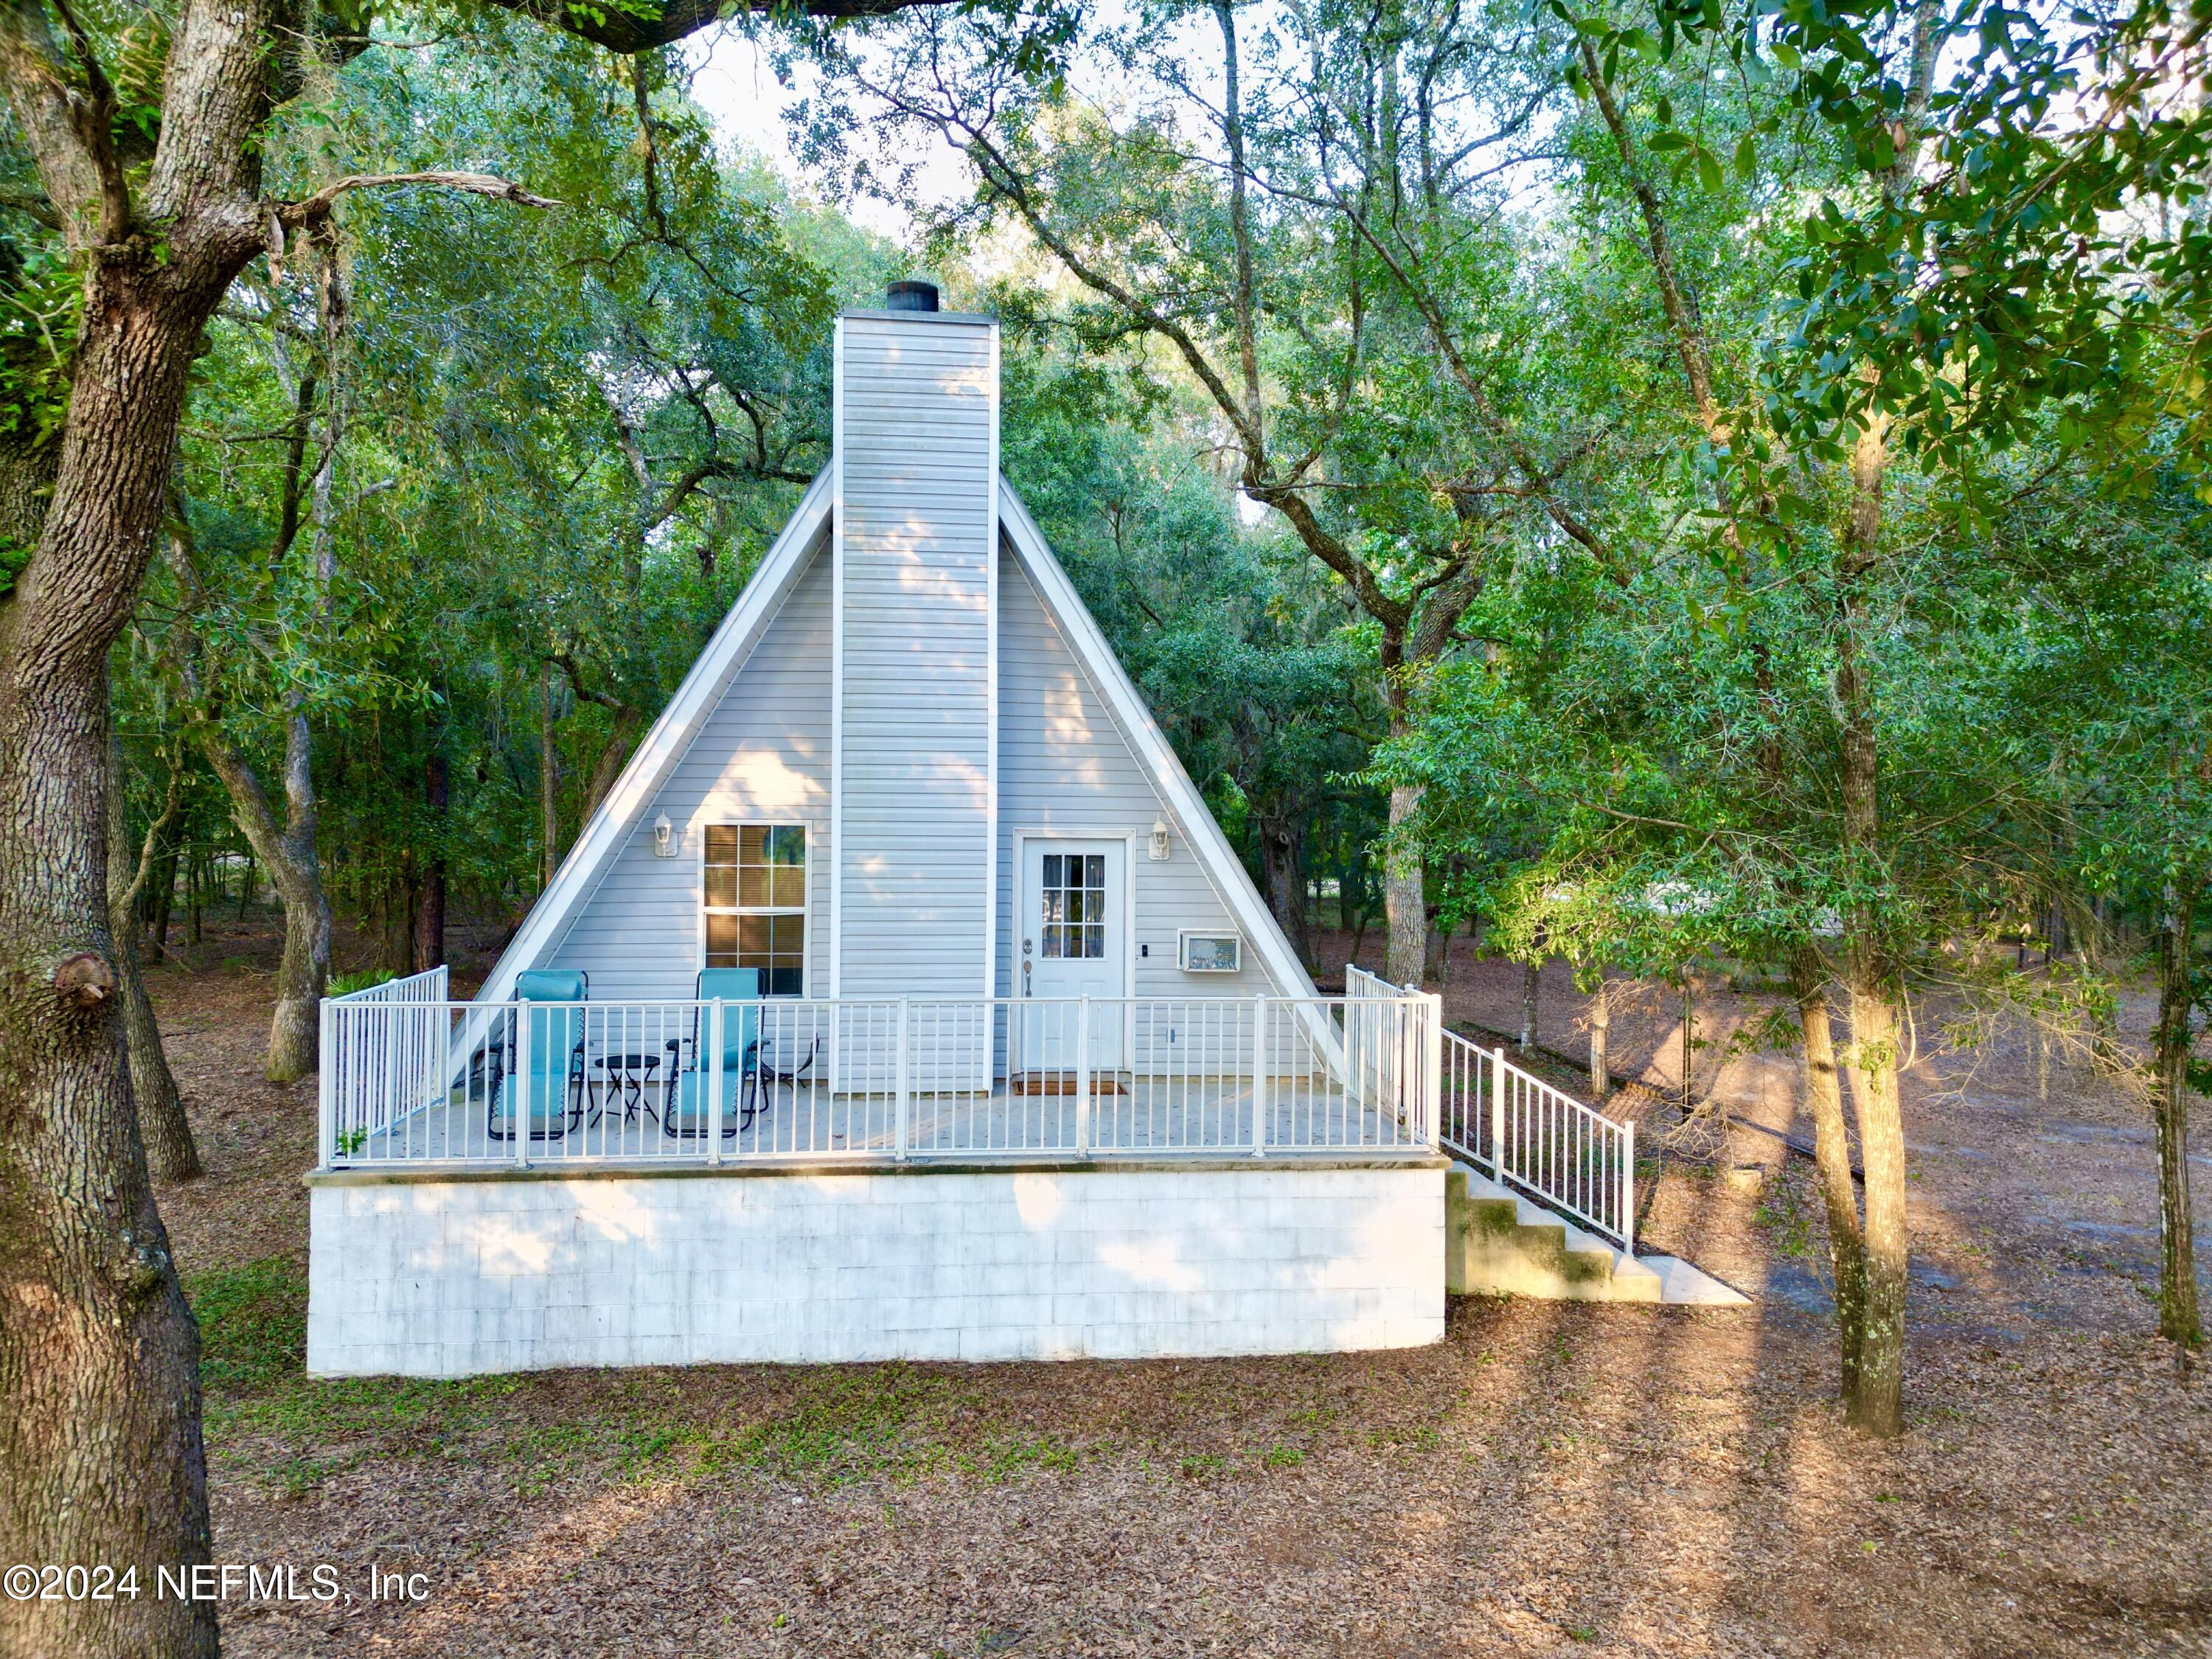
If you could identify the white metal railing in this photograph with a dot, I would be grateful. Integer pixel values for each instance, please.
(1359, 983)
(412, 1079)
(390, 1038)
(1519, 1129)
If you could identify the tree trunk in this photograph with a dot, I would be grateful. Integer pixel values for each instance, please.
(430, 911)
(1284, 880)
(401, 894)
(161, 1122)
(1880, 1407)
(1531, 985)
(621, 738)
(549, 785)
(164, 898)
(1689, 1041)
(295, 1027)
(288, 850)
(2177, 1317)
(1875, 1045)
(1601, 1030)
(1405, 906)
(100, 1453)
(1831, 1150)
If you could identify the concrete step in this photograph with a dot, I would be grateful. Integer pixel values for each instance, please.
(1499, 1241)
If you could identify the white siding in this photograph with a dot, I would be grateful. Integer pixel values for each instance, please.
(762, 756)
(1064, 766)
(916, 527)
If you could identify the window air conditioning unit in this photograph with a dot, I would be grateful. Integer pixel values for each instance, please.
(1209, 953)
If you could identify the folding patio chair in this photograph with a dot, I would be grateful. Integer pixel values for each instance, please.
(552, 1094)
(688, 1105)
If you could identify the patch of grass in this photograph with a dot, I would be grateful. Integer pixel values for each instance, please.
(847, 1424)
(1418, 1436)
(253, 1326)
(342, 984)
(1005, 1456)
(1282, 1457)
(1198, 1465)
(295, 1477)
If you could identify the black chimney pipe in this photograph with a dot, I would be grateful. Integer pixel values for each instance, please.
(910, 296)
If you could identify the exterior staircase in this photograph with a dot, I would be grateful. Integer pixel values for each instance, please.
(1499, 1241)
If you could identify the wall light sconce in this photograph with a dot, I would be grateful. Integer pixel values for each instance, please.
(1160, 841)
(664, 837)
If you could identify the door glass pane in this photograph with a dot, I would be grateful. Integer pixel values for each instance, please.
(1071, 898)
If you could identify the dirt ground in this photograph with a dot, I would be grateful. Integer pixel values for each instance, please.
(1549, 1479)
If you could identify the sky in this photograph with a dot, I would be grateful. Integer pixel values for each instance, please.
(734, 82)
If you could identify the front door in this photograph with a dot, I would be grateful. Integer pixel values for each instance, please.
(1070, 916)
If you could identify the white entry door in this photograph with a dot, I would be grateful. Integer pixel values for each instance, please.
(1072, 942)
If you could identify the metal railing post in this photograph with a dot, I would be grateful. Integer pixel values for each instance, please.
(1497, 1112)
(1259, 1077)
(714, 1086)
(519, 1107)
(715, 1111)
(1628, 1189)
(392, 1071)
(326, 1102)
(903, 1084)
(1083, 1077)
(1433, 1071)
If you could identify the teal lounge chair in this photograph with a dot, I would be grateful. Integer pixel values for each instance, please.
(550, 1098)
(688, 1108)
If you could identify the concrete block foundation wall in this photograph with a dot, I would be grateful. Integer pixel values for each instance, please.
(460, 1277)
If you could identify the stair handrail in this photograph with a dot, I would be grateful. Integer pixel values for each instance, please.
(1521, 1132)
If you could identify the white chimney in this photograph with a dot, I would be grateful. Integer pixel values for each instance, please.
(913, 721)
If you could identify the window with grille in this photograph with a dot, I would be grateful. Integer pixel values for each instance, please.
(756, 903)
(1074, 899)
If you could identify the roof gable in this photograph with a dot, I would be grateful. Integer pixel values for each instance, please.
(733, 642)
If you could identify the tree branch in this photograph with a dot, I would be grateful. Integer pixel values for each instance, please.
(628, 32)
(295, 215)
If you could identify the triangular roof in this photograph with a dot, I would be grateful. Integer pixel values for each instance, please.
(733, 643)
